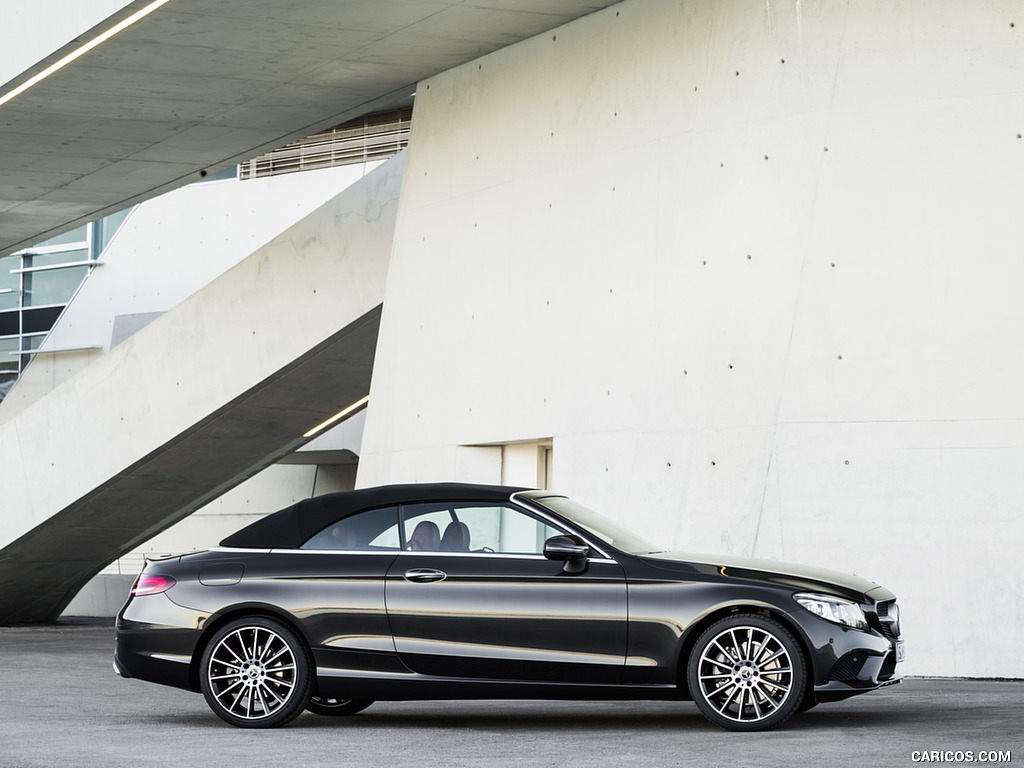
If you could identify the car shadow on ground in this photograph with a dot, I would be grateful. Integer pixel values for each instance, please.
(544, 718)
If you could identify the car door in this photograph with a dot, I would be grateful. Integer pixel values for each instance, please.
(473, 596)
(335, 585)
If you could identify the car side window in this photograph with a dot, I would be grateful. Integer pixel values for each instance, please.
(475, 527)
(369, 531)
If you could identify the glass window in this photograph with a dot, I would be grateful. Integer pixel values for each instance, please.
(10, 323)
(77, 235)
(602, 527)
(475, 527)
(108, 228)
(39, 320)
(9, 362)
(370, 531)
(54, 286)
(9, 282)
(33, 342)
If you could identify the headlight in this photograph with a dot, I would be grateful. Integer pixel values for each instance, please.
(833, 609)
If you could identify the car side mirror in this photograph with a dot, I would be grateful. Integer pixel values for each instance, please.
(566, 549)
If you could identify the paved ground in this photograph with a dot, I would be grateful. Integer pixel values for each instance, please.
(62, 705)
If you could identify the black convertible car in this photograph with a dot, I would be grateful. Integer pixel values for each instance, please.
(467, 591)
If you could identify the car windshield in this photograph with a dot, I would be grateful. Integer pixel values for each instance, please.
(606, 530)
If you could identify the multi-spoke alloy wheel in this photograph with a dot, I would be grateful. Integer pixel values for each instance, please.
(255, 673)
(747, 673)
(324, 705)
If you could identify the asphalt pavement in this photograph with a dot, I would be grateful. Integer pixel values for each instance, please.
(62, 705)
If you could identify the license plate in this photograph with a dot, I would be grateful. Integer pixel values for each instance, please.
(901, 653)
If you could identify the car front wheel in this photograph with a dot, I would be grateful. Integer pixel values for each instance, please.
(747, 673)
(256, 673)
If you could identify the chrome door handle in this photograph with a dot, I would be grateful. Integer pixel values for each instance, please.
(425, 575)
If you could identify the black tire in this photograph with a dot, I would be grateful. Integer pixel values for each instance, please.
(256, 673)
(747, 673)
(321, 705)
(808, 703)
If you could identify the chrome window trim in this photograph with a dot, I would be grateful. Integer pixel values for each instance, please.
(250, 550)
(416, 553)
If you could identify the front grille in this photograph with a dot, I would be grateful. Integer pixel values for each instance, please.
(882, 620)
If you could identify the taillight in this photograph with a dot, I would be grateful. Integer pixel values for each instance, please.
(150, 584)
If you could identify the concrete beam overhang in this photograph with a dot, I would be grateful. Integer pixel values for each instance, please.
(200, 85)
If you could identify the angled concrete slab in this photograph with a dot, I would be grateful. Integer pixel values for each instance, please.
(298, 320)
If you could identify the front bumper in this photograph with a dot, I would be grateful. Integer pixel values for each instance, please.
(874, 664)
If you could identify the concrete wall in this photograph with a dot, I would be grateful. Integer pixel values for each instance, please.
(755, 268)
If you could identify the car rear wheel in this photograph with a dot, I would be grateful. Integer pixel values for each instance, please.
(322, 705)
(747, 673)
(256, 673)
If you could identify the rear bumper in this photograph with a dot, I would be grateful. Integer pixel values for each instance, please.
(148, 647)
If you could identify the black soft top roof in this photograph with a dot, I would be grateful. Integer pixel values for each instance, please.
(290, 527)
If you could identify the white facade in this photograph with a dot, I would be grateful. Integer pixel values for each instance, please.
(753, 269)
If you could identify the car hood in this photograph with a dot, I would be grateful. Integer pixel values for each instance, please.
(803, 577)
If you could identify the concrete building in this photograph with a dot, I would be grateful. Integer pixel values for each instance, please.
(744, 275)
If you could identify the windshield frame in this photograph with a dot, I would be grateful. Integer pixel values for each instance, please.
(590, 523)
